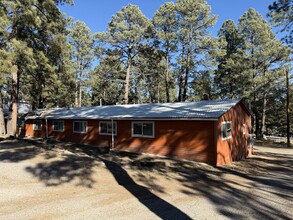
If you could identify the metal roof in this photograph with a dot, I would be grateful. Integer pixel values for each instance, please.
(184, 110)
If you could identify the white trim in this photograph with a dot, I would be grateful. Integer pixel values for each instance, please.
(34, 125)
(108, 122)
(142, 122)
(58, 130)
(80, 132)
(228, 137)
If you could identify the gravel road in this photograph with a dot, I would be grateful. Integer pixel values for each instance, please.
(69, 182)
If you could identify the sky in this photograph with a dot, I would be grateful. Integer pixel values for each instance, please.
(97, 13)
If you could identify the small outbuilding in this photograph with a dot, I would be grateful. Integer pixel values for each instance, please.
(213, 132)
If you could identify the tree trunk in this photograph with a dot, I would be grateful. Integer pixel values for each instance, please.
(180, 78)
(263, 119)
(2, 121)
(167, 80)
(41, 100)
(127, 78)
(288, 108)
(185, 86)
(12, 117)
(79, 91)
(158, 92)
(76, 93)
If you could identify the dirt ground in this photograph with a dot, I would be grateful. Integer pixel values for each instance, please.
(73, 182)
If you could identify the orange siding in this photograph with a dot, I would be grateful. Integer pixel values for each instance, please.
(185, 139)
(234, 148)
(29, 131)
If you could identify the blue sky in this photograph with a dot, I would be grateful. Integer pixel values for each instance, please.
(97, 13)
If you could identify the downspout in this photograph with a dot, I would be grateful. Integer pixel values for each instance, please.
(46, 128)
(113, 144)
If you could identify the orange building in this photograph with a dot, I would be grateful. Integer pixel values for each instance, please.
(214, 132)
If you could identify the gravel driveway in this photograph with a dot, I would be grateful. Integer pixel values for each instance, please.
(72, 182)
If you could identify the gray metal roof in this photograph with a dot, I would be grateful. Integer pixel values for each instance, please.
(185, 110)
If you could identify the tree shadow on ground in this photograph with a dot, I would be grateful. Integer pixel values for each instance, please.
(67, 170)
(14, 151)
(260, 187)
(57, 170)
(79, 166)
(154, 203)
(257, 188)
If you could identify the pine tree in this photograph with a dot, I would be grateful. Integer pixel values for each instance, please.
(32, 25)
(281, 15)
(194, 17)
(149, 69)
(263, 53)
(166, 27)
(5, 62)
(82, 42)
(106, 80)
(125, 33)
(229, 75)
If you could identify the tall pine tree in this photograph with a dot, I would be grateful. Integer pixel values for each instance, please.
(82, 43)
(126, 32)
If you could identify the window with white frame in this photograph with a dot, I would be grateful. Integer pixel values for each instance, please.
(37, 126)
(58, 125)
(106, 128)
(143, 129)
(79, 126)
(226, 130)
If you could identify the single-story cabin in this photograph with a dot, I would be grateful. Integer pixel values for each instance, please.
(213, 132)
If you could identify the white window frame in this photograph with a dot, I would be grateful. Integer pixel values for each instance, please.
(80, 132)
(54, 126)
(224, 123)
(141, 135)
(108, 122)
(34, 125)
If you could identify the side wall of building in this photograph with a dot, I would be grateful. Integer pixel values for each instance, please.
(234, 148)
(186, 139)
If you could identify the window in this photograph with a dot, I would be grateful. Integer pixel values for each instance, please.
(143, 129)
(244, 128)
(106, 128)
(37, 126)
(226, 130)
(58, 125)
(79, 126)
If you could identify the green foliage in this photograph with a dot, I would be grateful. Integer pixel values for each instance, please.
(82, 42)
(194, 18)
(106, 80)
(201, 85)
(166, 27)
(281, 15)
(229, 81)
(252, 65)
(126, 32)
(172, 58)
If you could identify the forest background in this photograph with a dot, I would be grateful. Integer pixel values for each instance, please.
(50, 60)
